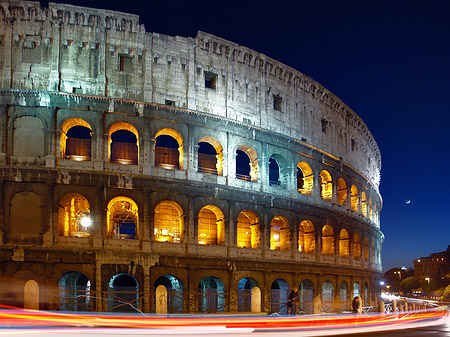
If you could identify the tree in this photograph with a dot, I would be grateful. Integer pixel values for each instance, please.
(409, 284)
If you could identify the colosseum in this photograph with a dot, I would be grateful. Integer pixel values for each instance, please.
(160, 174)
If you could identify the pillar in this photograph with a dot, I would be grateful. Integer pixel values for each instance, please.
(161, 299)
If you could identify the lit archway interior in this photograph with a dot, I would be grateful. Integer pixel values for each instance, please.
(211, 226)
(74, 216)
(169, 224)
(327, 240)
(354, 198)
(246, 163)
(123, 218)
(279, 233)
(169, 149)
(326, 187)
(304, 178)
(306, 237)
(363, 203)
(366, 248)
(210, 156)
(123, 144)
(341, 191)
(248, 230)
(76, 137)
(344, 243)
(356, 246)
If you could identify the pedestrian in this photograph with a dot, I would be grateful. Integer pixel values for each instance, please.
(356, 305)
(293, 302)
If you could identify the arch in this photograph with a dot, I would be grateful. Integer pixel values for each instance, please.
(304, 178)
(169, 222)
(211, 295)
(341, 191)
(175, 292)
(25, 214)
(31, 295)
(246, 155)
(169, 149)
(356, 246)
(306, 296)
(370, 210)
(356, 289)
(363, 203)
(279, 233)
(75, 140)
(366, 294)
(327, 240)
(326, 187)
(344, 243)
(274, 172)
(245, 287)
(366, 249)
(28, 137)
(123, 144)
(123, 293)
(74, 216)
(327, 295)
(211, 226)
(306, 237)
(122, 218)
(248, 230)
(354, 198)
(210, 156)
(279, 294)
(343, 296)
(74, 292)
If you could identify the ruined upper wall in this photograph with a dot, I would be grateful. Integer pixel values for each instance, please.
(106, 53)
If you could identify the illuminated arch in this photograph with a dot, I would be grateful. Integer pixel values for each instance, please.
(326, 187)
(248, 230)
(279, 233)
(76, 147)
(356, 246)
(366, 248)
(123, 152)
(306, 237)
(74, 216)
(354, 198)
(327, 240)
(211, 226)
(370, 210)
(363, 203)
(169, 222)
(169, 158)
(304, 178)
(207, 162)
(341, 191)
(344, 243)
(122, 218)
(250, 157)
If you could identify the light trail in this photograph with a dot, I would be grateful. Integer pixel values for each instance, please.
(19, 322)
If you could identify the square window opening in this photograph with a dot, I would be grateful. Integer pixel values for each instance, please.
(277, 101)
(210, 80)
(125, 63)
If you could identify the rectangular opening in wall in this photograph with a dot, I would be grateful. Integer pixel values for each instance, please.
(169, 102)
(277, 100)
(210, 80)
(125, 63)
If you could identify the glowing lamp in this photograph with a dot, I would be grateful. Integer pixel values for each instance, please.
(85, 222)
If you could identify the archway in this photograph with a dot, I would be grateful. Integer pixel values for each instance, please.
(343, 296)
(211, 297)
(245, 287)
(304, 178)
(306, 297)
(123, 293)
(74, 216)
(169, 223)
(175, 292)
(76, 138)
(169, 149)
(279, 294)
(74, 292)
(326, 186)
(354, 199)
(356, 246)
(123, 219)
(364, 203)
(327, 240)
(306, 237)
(211, 226)
(279, 233)
(123, 140)
(210, 156)
(341, 191)
(327, 297)
(246, 163)
(344, 243)
(248, 230)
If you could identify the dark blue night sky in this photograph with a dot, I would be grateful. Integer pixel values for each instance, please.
(388, 60)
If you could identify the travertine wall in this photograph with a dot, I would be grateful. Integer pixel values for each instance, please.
(75, 49)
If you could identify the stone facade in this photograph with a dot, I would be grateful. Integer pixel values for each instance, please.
(302, 211)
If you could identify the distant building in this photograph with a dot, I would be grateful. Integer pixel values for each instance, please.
(430, 266)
